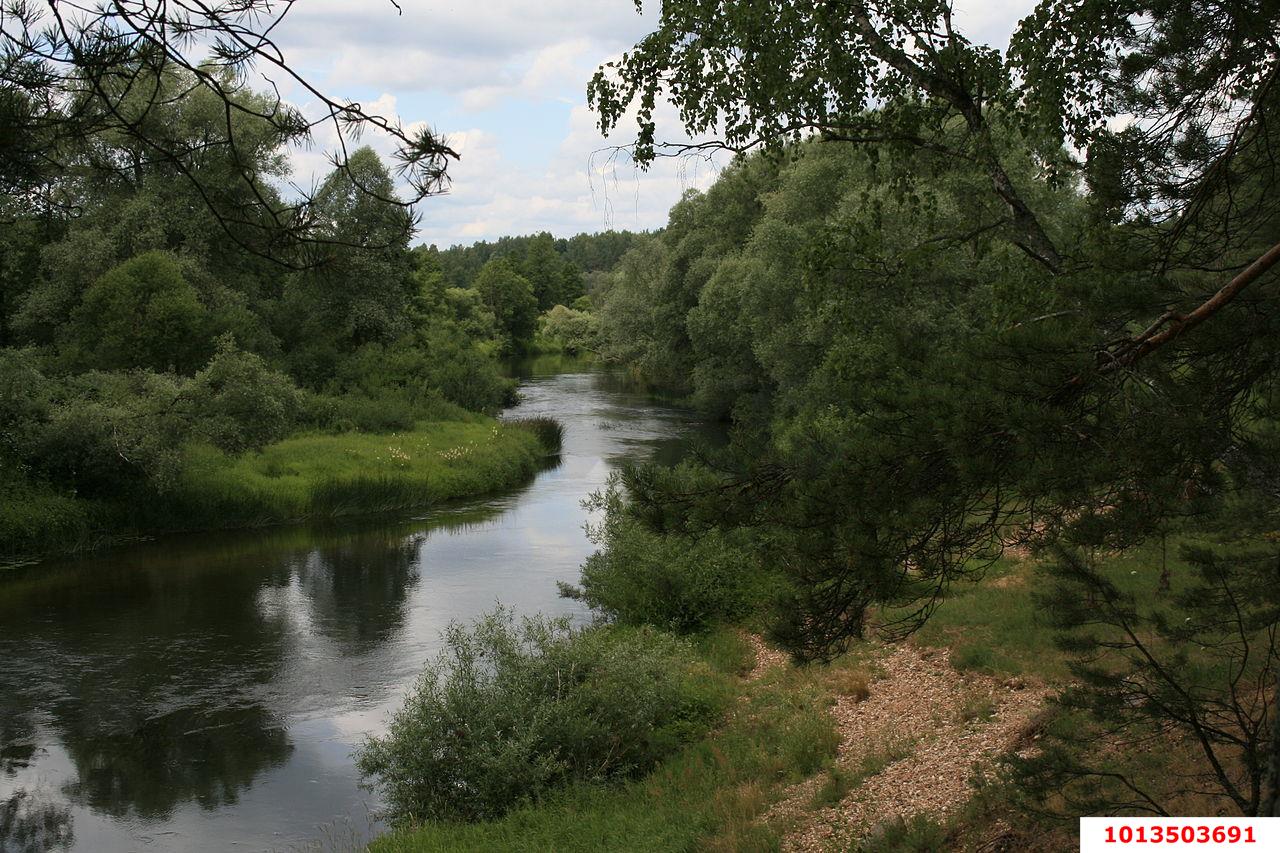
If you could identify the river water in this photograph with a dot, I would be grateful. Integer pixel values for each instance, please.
(206, 692)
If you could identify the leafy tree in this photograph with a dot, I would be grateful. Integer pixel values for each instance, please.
(114, 434)
(69, 83)
(19, 259)
(599, 252)
(238, 403)
(510, 297)
(358, 294)
(555, 280)
(1198, 666)
(25, 398)
(1008, 311)
(1040, 360)
(142, 314)
(569, 329)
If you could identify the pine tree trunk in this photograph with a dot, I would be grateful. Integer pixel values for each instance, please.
(1271, 789)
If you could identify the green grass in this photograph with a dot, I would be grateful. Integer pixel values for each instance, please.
(304, 477)
(549, 431)
(709, 796)
(328, 476)
(994, 627)
(36, 519)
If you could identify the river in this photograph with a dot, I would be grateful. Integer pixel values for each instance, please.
(205, 692)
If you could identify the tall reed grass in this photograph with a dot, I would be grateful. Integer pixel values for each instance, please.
(549, 431)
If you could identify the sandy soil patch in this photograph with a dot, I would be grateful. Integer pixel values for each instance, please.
(924, 730)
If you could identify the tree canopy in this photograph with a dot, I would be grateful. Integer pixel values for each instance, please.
(92, 94)
(954, 299)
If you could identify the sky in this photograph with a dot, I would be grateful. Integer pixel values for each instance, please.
(505, 82)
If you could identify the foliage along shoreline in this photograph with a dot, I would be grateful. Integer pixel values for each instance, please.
(148, 340)
(303, 478)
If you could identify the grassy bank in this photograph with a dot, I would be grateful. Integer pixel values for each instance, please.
(727, 792)
(306, 476)
(708, 796)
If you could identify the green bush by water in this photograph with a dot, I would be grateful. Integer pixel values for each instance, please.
(639, 577)
(512, 712)
(709, 795)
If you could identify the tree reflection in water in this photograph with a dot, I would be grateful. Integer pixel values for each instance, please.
(30, 825)
(158, 676)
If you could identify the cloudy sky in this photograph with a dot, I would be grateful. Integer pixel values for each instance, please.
(505, 81)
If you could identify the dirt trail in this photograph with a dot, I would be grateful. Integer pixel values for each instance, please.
(767, 657)
(914, 742)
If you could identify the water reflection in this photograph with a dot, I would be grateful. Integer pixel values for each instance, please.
(29, 824)
(147, 764)
(356, 590)
(206, 691)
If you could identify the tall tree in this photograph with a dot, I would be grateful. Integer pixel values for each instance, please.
(1112, 388)
(73, 77)
(510, 297)
(1053, 420)
(362, 284)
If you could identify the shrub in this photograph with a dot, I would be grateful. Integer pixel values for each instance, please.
(920, 834)
(512, 711)
(34, 518)
(24, 408)
(510, 297)
(416, 372)
(568, 329)
(239, 403)
(114, 433)
(675, 581)
(459, 371)
(380, 412)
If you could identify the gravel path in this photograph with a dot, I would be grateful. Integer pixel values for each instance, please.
(920, 735)
(767, 657)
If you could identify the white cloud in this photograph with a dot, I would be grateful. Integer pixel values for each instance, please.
(586, 186)
(505, 80)
(990, 22)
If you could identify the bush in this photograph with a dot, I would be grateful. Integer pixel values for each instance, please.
(460, 372)
(34, 518)
(380, 412)
(418, 371)
(511, 711)
(239, 403)
(114, 433)
(920, 834)
(567, 329)
(675, 581)
(24, 409)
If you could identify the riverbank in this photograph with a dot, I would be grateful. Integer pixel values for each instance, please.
(304, 477)
(887, 748)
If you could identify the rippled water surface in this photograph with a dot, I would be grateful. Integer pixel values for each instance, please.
(206, 692)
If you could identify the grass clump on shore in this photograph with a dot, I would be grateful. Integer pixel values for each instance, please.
(549, 431)
(336, 475)
(36, 519)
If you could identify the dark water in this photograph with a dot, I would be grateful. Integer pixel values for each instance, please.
(206, 692)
